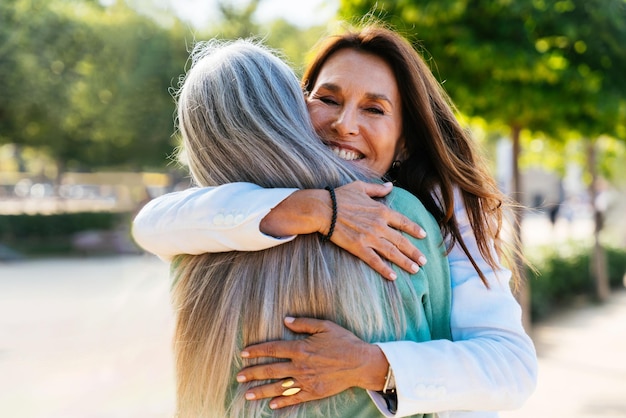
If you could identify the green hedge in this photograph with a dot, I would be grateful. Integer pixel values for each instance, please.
(564, 279)
(37, 234)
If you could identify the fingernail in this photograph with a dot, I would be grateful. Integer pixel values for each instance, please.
(245, 354)
(388, 184)
(393, 276)
(273, 405)
(422, 260)
(289, 319)
(241, 378)
(422, 234)
(415, 268)
(250, 396)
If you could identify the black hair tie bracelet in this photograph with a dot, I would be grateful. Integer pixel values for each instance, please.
(333, 220)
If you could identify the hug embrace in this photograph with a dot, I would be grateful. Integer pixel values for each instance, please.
(340, 255)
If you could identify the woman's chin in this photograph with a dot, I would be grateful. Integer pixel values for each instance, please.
(364, 165)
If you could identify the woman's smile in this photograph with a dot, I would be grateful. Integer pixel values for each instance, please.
(358, 113)
(344, 153)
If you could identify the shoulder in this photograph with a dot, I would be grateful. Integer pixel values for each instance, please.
(410, 206)
(406, 203)
(400, 199)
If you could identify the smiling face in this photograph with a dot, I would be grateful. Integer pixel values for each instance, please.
(356, 108)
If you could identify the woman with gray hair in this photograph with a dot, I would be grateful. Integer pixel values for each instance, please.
(243, 118)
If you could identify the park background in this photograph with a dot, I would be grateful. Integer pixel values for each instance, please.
(87, 134)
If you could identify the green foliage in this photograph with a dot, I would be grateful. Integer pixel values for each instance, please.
(18, 227)
(294, 42)
(237, 21)
(546, 66)
(88, 84)
(563, 279)
(53, 234)
(616, 261)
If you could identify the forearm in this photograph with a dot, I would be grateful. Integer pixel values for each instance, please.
(302, 212)
(491, 363)
(483, 374)
(246, 217)
(201, 220)
(371, 376)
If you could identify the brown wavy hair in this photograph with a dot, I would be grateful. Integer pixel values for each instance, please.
(442, 157)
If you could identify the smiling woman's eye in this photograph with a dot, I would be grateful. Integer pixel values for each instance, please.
(328, 100)
(325, 99)
(375, 110)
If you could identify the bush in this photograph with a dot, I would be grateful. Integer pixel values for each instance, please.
(52, 234)
(563, 279)
(616, 260)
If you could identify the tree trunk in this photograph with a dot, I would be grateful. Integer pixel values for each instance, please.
(19, 157)
(61, 203)
(523, 296)
(597, 266)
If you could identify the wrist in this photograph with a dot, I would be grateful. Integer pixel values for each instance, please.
(389, 392)
(377, 367)
(390, 383)
(315, 210)
(333, 219)
(300, 213)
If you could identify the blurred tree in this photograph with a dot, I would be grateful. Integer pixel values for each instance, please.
(88, 84)
(293, 41)
(589, 37)
(127, 87)
(56, 51)
(237, 19)
(545, 66)
(9, 47)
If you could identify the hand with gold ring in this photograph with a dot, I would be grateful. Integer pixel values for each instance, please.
(330, 360)
(281, 388)
(290, 390)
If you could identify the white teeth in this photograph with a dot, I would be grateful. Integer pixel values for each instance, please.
(346, 154)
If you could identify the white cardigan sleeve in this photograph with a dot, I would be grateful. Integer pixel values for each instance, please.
(212, 219)
(491, 363)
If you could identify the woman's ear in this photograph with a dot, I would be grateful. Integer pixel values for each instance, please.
(402, 153)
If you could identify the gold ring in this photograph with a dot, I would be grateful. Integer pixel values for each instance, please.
(291, 391)
(288, 383)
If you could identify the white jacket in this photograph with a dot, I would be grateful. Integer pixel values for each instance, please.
(491, 363)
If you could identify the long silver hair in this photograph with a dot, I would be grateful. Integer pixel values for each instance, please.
(242, 117)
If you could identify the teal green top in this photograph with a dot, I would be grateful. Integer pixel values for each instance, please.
(428, 320)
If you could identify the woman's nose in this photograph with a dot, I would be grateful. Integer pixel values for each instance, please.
(346, 123)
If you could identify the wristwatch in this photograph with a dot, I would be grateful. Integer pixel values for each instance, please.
(389, 392)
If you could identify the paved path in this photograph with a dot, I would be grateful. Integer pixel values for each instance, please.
(90, 338)
(86, 338)
(582, 364)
